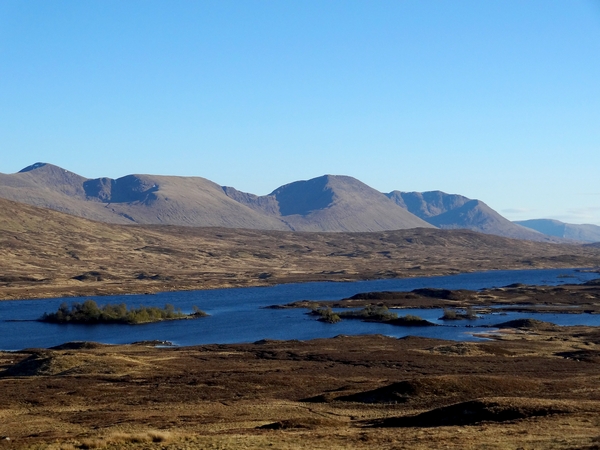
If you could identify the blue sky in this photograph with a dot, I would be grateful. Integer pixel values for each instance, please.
(493, 99)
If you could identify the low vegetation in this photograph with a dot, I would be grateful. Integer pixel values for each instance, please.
(453, 314)
(326, 314)
(89, 312)
(370, 313)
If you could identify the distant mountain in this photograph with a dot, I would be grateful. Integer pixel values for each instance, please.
(585, 233)
(141, 199)
(332, 203)
(452, 211)
(328, 203)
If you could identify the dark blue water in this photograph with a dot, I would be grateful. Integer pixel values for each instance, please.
(236, 315)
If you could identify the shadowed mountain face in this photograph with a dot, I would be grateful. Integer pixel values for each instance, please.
(340, 203)
(427, 204)
(451, 211)
(331, 203)
(585, 233)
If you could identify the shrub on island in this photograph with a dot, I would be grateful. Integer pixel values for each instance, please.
(325, 315)
(370, 313)
(89, 312)
(452, 314)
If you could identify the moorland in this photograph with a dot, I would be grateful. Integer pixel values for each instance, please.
(45, 253)
(531, 385)
(534, 385)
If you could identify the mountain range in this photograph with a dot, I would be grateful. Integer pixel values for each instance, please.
(330, 203)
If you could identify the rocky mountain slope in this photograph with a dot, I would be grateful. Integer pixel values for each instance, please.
(332, 203)
(140, 199)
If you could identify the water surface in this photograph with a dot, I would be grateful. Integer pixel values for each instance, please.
(237, 315)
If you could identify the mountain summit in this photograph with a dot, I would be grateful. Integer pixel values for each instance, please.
(340, 203)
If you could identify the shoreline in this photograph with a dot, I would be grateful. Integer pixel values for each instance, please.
(14, 291)
(580, 298)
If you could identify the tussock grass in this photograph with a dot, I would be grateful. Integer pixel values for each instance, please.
(121, 438)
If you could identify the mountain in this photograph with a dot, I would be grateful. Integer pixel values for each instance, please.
(452, 211)
(140, 199)
(332, 203)
(585, 233)
(328, 203)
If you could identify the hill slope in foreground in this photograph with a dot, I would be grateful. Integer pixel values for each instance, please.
(44, 253)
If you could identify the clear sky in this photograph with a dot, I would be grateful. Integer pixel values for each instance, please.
(494, 99)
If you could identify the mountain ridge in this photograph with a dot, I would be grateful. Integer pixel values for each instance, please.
(333, 203)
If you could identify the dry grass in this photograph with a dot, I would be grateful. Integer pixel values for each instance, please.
(325, 394)
(44, 253)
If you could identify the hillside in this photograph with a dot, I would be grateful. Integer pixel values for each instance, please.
(45, 253)
(450, 211)
(584, 233)
(330, 203)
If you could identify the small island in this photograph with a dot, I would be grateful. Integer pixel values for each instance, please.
(90, 313)
(453, 314)
(370, 313)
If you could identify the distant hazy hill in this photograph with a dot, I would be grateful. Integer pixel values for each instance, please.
(451, 211)
(427, 204)
(585, 233)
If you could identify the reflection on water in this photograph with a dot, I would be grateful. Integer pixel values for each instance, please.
(237, 314)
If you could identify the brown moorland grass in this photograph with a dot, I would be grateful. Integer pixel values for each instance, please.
(44, 253)
(522, 390)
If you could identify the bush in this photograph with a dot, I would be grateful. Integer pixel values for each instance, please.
(452, 314)
(449, 314)
(326, 315)
(371, 312)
